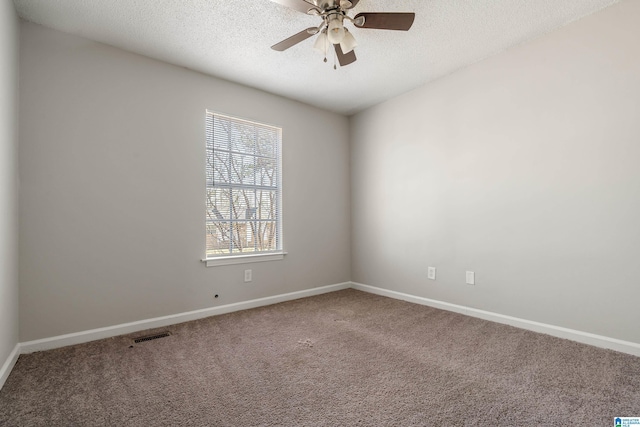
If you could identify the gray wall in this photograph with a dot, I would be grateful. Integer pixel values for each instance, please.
(522, 168)
(112, 188)
(8, 182)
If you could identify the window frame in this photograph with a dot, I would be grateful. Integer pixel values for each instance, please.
(242, 257)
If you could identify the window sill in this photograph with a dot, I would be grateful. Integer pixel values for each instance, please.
(243, 259)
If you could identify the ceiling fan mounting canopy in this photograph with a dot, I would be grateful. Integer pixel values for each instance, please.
(332, 30)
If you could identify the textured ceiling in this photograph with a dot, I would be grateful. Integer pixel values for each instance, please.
(231, 39)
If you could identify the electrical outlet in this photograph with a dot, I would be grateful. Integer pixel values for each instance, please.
(471, 278)
(431, 273)
(247, 276)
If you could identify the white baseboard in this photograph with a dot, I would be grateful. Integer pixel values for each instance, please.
(9, 364)
(160, 322)
(556, 331)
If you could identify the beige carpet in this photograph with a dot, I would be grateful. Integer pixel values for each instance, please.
(342, 359)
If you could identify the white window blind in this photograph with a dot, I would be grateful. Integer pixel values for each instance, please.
(244, 215)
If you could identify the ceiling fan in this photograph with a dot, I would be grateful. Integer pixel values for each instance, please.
(332, 29)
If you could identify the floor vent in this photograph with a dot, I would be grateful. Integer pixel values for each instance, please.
(152, 337)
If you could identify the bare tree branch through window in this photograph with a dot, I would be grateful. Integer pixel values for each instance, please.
(243, 186)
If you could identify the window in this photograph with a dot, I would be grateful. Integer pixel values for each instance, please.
(244, 215)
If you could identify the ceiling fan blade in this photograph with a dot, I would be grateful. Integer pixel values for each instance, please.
(299, 5)
(387, 21)
(294, 39)
(344, 58)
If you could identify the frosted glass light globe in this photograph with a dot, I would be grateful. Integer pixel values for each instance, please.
(335, 31)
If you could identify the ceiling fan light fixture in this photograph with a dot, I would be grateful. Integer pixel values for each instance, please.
(348, 42)
(332, 31)
(322, 43)
(335, 30)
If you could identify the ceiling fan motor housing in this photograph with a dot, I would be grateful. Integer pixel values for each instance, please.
(326, 4)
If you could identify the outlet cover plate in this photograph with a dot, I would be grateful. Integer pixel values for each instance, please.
(471, 278)
(431, 273)
(248, 276)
